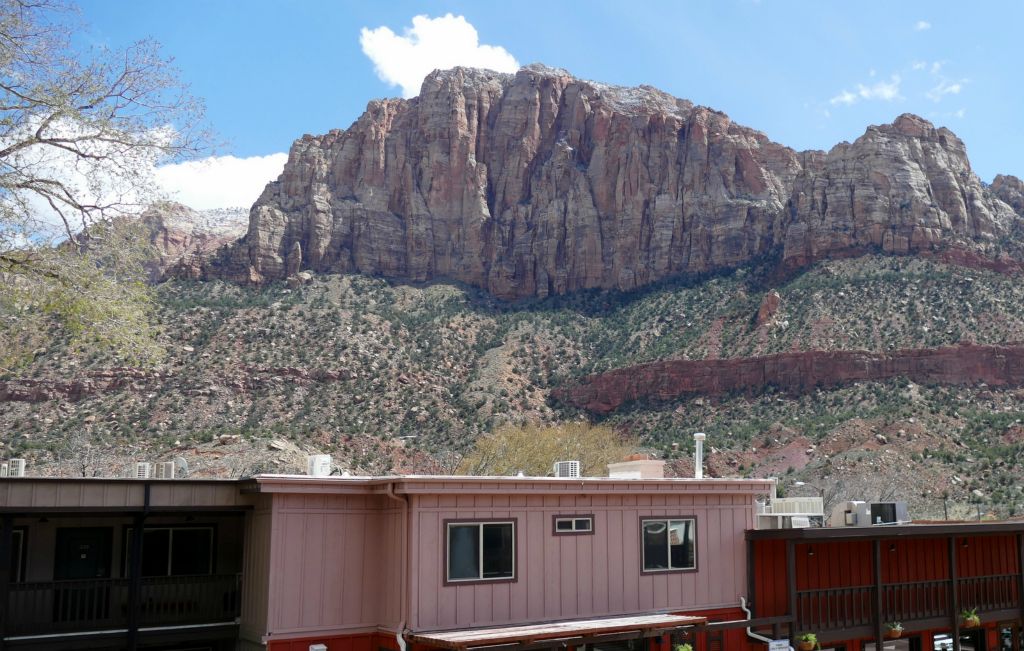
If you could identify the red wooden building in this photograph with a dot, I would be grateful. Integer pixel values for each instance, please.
(847, 584)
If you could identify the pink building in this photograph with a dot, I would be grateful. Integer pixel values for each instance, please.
(363, 564)
(359, 562)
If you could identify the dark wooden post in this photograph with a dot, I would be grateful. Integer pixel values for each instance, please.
(876, 566)
(954, 600)
(6, 544)
(1020, 575)
(791, 587)
(135, 572)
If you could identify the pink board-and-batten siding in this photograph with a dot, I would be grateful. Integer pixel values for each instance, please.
(334, 564)
(343, 551)
(564, 577)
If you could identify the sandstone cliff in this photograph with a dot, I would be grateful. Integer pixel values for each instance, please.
(797, 373)
(182, 238)
(539, 183)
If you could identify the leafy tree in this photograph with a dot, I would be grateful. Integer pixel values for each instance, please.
(81, 132)
(534, 449)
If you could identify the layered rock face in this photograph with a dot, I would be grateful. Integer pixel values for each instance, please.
(183, 238)
(903, 188)
(539, 183)
(795, 372)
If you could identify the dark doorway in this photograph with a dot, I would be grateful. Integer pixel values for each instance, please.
(83, 553)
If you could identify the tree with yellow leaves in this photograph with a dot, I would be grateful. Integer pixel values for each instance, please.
(533, 449)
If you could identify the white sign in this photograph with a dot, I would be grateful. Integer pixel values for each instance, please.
(778, 645)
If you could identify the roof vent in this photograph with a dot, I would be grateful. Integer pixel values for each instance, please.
(318, 465)
(165, 470)
(567, 469)
(143, 470)
(13, 468)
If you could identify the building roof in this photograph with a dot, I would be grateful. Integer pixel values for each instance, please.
(886, 532)
(434, 484)
(572, 631)
(79, 494)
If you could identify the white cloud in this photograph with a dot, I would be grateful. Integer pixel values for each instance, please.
(220, 181)
(945, 87)
(960, 113)
(922, 25)
(886, 91)
(919, 65)
(430, 44)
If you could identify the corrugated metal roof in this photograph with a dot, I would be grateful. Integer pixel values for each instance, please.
(563, 630)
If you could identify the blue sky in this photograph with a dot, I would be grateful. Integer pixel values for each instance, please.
(808, 74)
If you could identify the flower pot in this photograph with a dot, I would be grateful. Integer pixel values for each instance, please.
(894, 634)
(805, 646)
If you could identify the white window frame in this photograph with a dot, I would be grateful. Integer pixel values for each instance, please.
(480, 524)
(668, 523)
(574, 520)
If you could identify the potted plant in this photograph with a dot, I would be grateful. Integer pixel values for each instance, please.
(970, 617)
(807, 642)
(893, 630)
(683, 647)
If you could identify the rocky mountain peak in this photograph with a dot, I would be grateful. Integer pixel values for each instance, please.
(539, 183)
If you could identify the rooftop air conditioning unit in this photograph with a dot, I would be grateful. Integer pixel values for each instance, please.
(318, 465)
(567, 469)
(165, 470)
(143, 470)
(16, 468)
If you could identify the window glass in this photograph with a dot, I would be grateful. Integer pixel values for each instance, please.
(156, 546)
(497, 551)
(17, 554)
(680, 540)
(574, 524)
(655, 545)
(191, 551)
(669, 545)
(463, 551)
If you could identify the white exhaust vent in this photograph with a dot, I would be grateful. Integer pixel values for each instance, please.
(318, 465)
(165, 470)
(13, 468)
(567, 469)
(16, 467)
(143, 470)
(698, 455)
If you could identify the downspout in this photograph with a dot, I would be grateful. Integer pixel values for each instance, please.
(750, 633)
(404, 588)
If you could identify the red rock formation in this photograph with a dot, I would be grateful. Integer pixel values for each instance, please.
(794, 372)
(136, 379)
(539, 183)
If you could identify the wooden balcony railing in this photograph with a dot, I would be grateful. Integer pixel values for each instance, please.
(102, 604)
(849, 607)
(835, 608)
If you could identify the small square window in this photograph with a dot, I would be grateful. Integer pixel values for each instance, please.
(573, 524)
